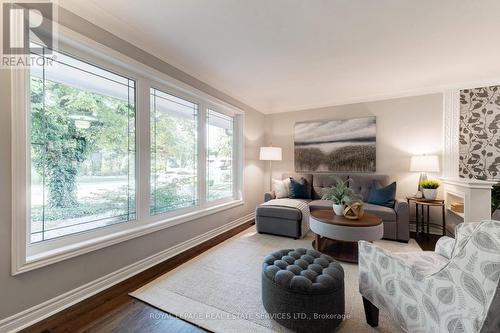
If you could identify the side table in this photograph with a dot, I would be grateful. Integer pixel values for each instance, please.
(424, 205)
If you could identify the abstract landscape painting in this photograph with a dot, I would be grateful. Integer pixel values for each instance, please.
(336, 145)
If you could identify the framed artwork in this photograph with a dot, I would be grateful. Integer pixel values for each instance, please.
(336, 145)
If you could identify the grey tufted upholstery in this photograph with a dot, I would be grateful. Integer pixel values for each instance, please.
(302, 281)
(362, 183)
(323, 181)
(304, 270)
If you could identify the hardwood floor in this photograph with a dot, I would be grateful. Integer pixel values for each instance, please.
(113, 310)
(426, 242)
(137, 316)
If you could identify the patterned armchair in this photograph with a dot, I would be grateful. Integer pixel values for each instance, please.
(453, 289)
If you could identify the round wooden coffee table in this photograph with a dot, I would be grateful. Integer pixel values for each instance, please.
(338, 236)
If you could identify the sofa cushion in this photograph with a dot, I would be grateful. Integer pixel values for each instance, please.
(320, 204)
(281, 188)
(280, 212)
(362, 183)
(322, 181)
(299, 189)
(383, 196)
(297, 176)
(385, 213)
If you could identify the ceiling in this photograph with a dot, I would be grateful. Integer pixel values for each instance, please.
(286, 55)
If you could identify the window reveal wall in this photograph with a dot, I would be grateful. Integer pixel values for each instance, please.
(480, 133)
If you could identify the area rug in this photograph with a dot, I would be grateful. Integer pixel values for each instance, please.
(220, 289)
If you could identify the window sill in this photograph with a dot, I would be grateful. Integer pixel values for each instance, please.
(45, 258)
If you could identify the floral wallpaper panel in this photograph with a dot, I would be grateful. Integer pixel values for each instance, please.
(480, 133)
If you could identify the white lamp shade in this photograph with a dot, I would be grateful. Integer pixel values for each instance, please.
(424, 163)
(270, 154)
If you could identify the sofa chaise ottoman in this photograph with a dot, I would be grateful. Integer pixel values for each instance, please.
(278, 220)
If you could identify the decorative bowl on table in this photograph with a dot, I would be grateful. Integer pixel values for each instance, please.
(354, 210)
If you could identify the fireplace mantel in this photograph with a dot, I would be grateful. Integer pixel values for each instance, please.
(469, 183)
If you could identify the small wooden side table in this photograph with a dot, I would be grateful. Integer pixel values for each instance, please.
(423, 203)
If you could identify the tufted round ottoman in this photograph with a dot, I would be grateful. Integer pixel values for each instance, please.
(303, 290)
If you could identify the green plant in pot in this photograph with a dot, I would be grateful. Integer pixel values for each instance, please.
(341, 194)
(429, 188)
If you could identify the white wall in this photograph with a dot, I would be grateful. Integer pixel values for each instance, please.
(405, 127)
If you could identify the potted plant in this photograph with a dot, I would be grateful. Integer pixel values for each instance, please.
(429, 188)
(340, 194)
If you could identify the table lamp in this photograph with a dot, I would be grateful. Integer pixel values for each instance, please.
(423, 164)
(270, 154)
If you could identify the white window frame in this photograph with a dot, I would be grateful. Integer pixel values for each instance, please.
(236, 148)
(26, 256)
(189, 98)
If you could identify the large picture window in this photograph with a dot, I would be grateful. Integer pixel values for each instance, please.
(219, 155)
(174, 128)
(82, 148)
(106, 149)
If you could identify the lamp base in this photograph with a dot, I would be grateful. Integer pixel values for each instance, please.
(270, 176)
(423, 176)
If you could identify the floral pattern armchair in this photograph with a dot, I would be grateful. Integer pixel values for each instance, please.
(453, 289)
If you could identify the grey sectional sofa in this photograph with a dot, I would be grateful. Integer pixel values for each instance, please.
(286, 221)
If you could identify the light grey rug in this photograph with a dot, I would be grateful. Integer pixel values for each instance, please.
(220, 289)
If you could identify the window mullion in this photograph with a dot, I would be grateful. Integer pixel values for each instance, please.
(144, 149)
(236, 160)
(202, 155)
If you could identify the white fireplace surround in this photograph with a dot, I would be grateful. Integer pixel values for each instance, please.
(476, 196)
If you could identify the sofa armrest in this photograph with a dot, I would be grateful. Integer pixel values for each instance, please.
(444, 246)
(269, 196)
(402, 219)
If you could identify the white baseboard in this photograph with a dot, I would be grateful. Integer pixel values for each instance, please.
(44, 310)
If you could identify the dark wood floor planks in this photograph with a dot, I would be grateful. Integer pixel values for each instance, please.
(136, 316)
(426, 242)
(113, 310)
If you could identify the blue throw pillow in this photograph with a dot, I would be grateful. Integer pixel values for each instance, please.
(382, 196)
(299, 189)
